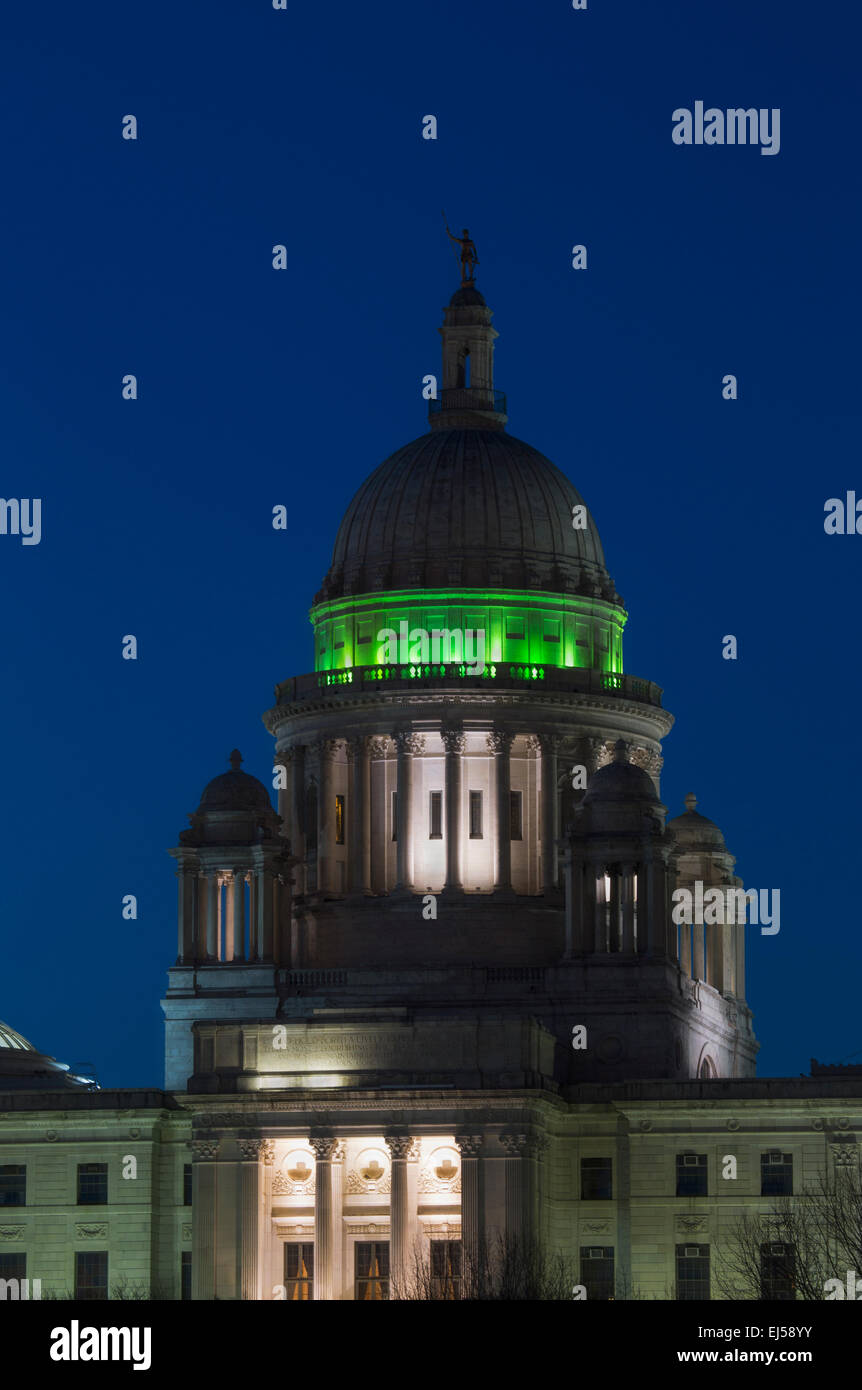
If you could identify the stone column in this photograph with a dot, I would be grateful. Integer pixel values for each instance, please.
(500, 744)
(472, 1216)
(627, 887)
(239, 914)
(325, 817)
(204, 1156)
(739, 956)
(409, 745)
(516, 1147)
(285, 797)
(550, 816)
(454, 743)
(600, 922)
(186, 904)
(378, 816)
(253, 1153)
(358, 827)
(212, 906)
(265, 922)
(325, 1216)
(698, 963)
(401, 1148)
(297, 814)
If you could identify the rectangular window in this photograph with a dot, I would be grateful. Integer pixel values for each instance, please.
(691, 1175)
(91, 1275)
(299, 1272)
(597, 1271)
(596, 1179)
(776, 1175)
(475, 815)
(446, 1269)
(515, 627)
(515, 821)
(13, 1185)
(187, 1184)
(692, 1272)
(339, 820)
(92, 1184)
(435, 818)
(551, 629)
(395, 815)
(777, 1272)
(186, 1276)
(339, 637)
(371, 1264)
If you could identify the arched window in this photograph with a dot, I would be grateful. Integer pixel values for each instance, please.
(707, 1070)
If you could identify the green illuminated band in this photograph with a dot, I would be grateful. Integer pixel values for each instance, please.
(524, 627)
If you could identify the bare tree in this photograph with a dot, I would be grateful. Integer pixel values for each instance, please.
(803, 1241)
(502, 1268)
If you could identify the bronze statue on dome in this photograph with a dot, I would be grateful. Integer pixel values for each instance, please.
(466, 253)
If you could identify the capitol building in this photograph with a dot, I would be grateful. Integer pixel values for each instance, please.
(434, 1006)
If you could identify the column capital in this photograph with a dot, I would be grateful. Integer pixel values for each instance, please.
(325, 1148)
(404, 1147)
(379, 748)
(250, 1148)
(499, 741)
(408, 743)
(204, 1150)
(648, 760)
(550, 743)
(471, 1145)
(533, 744)
(454, 740)
(326, 747)
(516, 1145)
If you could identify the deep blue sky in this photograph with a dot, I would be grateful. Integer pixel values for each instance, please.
(260, 387)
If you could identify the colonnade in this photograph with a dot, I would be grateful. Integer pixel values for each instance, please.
(312, 765)
(230, 914)
(229, 1209)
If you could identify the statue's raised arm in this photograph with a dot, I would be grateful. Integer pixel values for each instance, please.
(467, 254)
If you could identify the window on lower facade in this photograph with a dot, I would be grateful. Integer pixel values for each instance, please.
(12, 1267)
(91, 1275)
(446, 1269)
(691, 1175)
(298, 1272)
(475, 815)
(516, 825)
(186, 1276)
(776, 1175)
(777, 1272)
(13, 1185)
(692, 1272)
(371, 1265)
(596, 1179)
(187, 1184)
(435, 816)
(92, 1184)
(597, 1271)
(339, 820)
